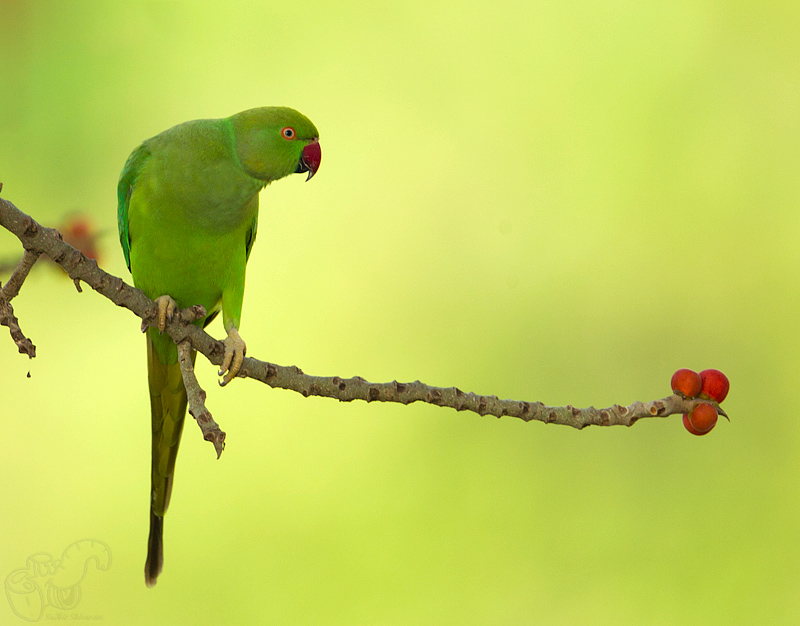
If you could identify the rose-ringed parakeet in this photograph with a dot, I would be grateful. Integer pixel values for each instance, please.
(188, 212)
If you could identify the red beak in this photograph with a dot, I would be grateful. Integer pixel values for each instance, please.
(310, 159)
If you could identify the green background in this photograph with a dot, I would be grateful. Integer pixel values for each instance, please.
(555, 201)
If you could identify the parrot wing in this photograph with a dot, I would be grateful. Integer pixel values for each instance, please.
(127, 181)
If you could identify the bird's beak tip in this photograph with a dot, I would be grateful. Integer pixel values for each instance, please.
(310, 158)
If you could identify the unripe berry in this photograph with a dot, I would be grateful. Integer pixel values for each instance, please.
(686, 383)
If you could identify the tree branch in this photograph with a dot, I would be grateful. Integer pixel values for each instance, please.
(8, 292)
(197, 399)
(37, 240)
(14, 284)
(7, 318)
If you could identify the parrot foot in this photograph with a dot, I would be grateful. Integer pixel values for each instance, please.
(235, 350)
(166, 309)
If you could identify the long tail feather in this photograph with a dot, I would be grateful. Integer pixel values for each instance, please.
(168, 409)
(155, 550)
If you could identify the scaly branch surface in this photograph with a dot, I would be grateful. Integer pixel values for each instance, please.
(38, 240)
(8, 292)
(197, 398)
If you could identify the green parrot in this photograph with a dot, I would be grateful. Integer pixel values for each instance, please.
(188, 212)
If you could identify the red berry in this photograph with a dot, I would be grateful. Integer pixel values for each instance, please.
(715, 385)
(688, 426)
(702, 418)
(686, 382)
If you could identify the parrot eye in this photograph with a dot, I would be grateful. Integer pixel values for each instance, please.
(288, 132)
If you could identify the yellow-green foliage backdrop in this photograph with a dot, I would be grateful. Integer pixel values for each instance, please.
(555, 201)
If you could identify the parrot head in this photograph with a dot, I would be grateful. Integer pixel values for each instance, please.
(273, 142)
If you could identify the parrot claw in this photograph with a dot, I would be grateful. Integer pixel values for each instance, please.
(166, 310)
(235, 349)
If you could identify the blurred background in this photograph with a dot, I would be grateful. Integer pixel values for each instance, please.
(555, 201)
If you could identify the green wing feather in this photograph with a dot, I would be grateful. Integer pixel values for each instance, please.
(251, 235)
(127, 180)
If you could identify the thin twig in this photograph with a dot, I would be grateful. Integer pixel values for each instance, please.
(44, 240)
(7, 318)
(197, 399)
(14, 284)
(8, 292)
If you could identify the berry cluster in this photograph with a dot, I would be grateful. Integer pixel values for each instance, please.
(708, 384)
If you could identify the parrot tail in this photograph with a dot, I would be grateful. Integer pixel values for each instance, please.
(155, 550)
(168, 409)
